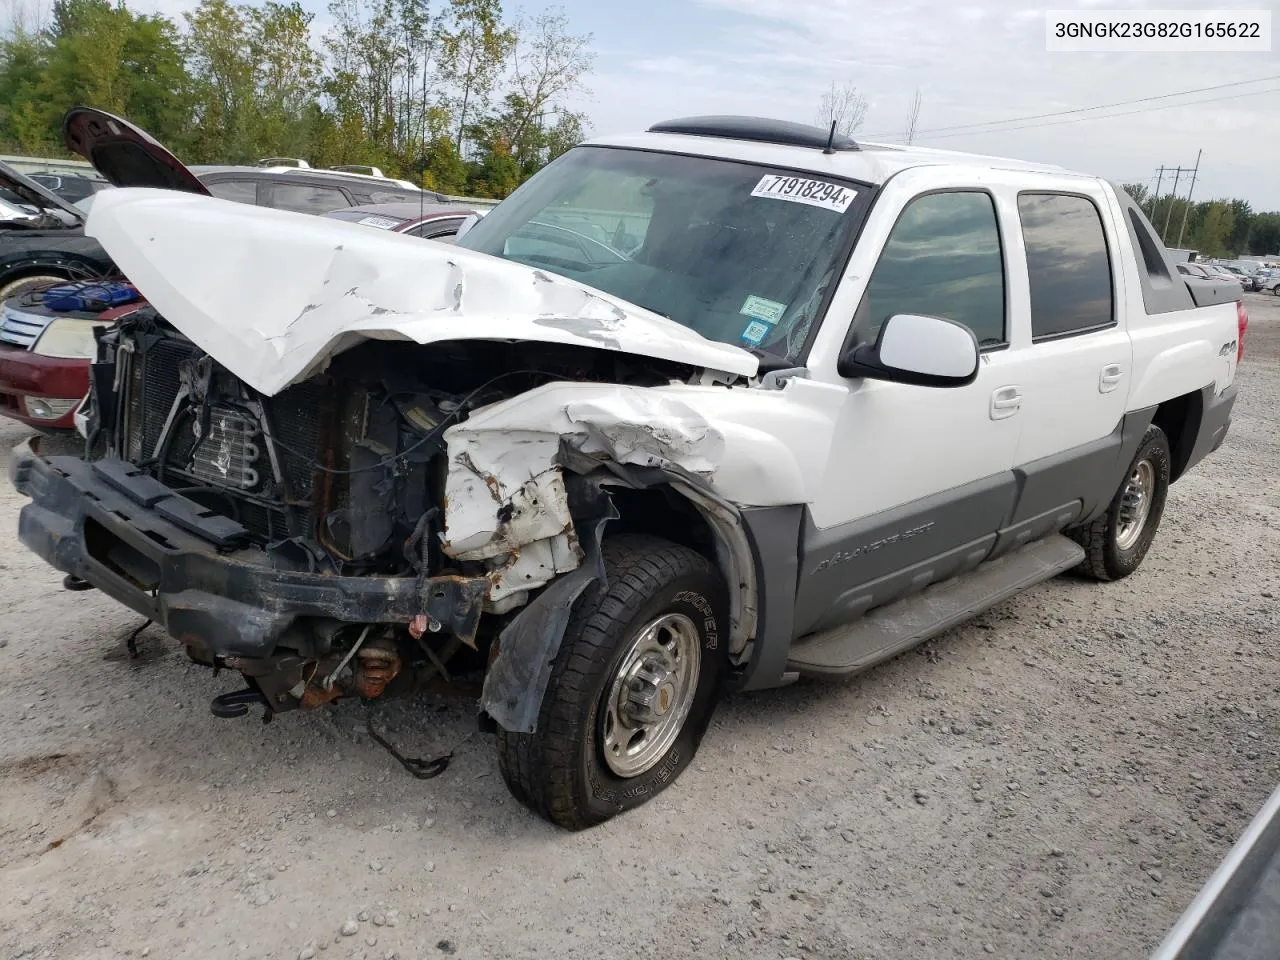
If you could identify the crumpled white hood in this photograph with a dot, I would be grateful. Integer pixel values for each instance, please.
(273, 295)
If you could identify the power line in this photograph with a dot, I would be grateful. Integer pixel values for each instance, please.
(1109, 116)
(1101, 106)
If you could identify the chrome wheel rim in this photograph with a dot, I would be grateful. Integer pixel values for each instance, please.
(1135, 504)
(651, 694)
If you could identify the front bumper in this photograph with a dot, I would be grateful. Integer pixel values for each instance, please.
(26, 374)
(176, 563)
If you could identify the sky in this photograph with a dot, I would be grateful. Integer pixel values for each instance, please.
(972, 60)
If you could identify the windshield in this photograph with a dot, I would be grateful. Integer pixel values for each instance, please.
(740, 253)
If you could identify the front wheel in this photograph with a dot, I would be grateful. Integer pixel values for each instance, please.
(632, 689)
(1116, 543)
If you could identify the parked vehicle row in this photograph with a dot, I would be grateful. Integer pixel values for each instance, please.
(1251, 276)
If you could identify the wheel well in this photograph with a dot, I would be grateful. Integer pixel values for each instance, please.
(661, 512)
(34, 270)
(1179, 418)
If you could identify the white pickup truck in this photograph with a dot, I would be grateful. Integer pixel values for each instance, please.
(727, 403)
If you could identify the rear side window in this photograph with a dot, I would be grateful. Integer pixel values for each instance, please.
(442, 230)
(1067, 263)
(304, 198)
(942, 259)
(241, 191)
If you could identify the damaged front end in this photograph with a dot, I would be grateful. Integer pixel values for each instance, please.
(357, 533)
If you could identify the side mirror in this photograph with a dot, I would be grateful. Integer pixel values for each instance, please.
(919, 350)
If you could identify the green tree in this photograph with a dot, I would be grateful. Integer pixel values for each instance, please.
(1264, 238)
(23, 112)
(547, 67)
(442, 168)
(495, 174)
(1138, 191)
(255, 78)
(1238, 240)
(223, 75)
(473, 46)
(1215, 226)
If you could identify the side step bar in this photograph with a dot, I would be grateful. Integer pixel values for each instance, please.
(904, 623)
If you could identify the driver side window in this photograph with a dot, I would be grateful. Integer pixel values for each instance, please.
(942, 259)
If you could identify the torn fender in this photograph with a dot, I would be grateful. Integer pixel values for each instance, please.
(273, 295)
(505, 498)
(517, 679)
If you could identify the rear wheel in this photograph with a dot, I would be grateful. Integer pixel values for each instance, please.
(1117, 542)
(632, 689)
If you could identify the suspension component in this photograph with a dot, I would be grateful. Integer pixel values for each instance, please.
(376, 665)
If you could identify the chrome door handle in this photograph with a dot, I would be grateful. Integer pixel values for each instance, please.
(1005, 402)
(1110, 377)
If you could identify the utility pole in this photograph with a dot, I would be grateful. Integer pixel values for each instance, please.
(1155, 194)
(1173, 197)
(1187, 208)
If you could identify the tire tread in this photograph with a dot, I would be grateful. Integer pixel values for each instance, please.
(538, 768)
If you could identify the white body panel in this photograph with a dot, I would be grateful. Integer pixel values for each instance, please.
(1071, 391)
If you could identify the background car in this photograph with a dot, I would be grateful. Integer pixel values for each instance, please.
(431, 221)
(306, 189)
(70, 187)
(42, 238)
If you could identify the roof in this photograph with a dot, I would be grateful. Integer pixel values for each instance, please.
(303, 173)
(869, 163)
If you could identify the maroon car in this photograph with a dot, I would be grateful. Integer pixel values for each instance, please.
(431, 221)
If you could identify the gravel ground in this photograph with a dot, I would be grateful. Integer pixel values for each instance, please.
(1057, 778)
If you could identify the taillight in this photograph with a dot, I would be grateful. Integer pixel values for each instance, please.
(1242, 319)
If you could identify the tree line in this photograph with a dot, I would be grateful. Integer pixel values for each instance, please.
(1214, 228)
(453, 94)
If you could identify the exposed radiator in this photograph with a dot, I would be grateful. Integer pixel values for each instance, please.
(234, 454)
(228, 454)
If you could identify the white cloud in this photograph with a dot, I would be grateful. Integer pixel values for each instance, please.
(974, 63)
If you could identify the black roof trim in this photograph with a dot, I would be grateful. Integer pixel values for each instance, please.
(760, 129)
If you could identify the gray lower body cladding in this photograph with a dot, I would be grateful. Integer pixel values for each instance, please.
(817, 579)
(224, 603)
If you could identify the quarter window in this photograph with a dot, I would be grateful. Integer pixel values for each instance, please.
(1068, 265)
(303, 198)
(241, 191)
(942, 259)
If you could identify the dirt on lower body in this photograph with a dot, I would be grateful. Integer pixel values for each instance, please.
(1054, 779)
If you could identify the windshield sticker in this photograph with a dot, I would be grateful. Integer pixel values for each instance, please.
(816, 193)
(758, 308)
(755, 332)
(382, 223)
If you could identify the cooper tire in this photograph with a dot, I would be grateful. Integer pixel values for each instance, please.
(561, 770)
(1113, 548)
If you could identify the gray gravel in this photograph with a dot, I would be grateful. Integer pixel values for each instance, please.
(1056, 779)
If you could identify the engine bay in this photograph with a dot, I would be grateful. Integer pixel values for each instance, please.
(341, 476)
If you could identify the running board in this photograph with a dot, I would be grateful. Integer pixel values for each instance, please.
(889, 630)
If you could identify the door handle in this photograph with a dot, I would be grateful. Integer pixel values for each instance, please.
(1005, 402)
(1110, 377)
